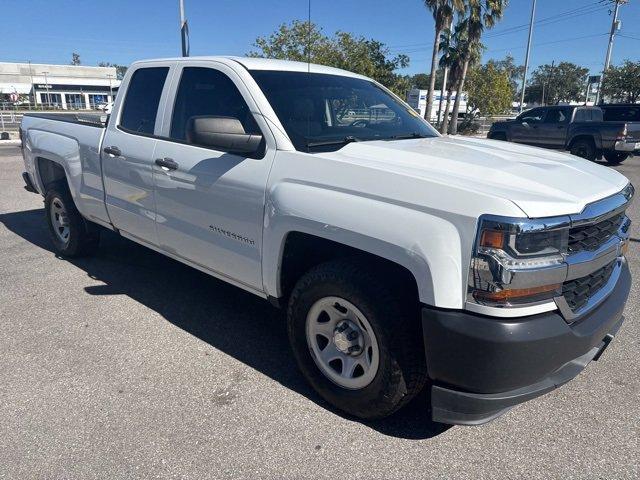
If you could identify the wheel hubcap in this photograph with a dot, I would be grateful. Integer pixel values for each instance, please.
(342, 343)
(60, 220)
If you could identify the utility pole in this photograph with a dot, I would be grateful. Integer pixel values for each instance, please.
(615, 25)
(548, 83)
(46, 85)
(526, 59)
(110, 77)
(184, 31)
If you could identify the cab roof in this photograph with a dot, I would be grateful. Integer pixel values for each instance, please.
(252, 63)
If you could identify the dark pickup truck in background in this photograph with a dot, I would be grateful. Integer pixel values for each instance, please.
(584, 131)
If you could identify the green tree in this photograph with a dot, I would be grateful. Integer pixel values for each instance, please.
(120, 69)
(553, 84)
(489, 90)
(443, 12)
(515, 72)
(622, 83)
(300, 41)
(479, 14)
(75, 59)
(421, 81)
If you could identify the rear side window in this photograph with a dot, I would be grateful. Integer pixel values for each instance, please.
(142, 99)
(622, 114)
(205, 91)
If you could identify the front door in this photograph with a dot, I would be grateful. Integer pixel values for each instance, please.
(210, 203)
(127, 155)
(525, 128)
(553, 129)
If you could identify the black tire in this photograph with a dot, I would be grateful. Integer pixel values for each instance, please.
(83, 238)
(615, 158)
(499, 136)
(394, 318)
(585, 148)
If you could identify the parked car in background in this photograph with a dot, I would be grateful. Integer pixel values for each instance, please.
(581, 130)
(105, 107)
(489, 273)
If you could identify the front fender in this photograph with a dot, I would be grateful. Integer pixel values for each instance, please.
(427, 245)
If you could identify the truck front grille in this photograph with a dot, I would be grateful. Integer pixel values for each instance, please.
(590, 237)
(577, 292)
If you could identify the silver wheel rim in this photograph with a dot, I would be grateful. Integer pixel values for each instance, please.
(60, 220)
(342, 343)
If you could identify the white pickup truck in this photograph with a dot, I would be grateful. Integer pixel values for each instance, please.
(487, 272)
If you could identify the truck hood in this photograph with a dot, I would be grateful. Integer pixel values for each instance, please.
(540, 182)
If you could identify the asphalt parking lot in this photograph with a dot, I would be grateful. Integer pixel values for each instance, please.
(131, 365)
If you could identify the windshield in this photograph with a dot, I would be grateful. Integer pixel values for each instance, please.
(325, 112)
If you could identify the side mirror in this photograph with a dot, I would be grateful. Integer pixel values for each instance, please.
(525, 123)
(222, 133)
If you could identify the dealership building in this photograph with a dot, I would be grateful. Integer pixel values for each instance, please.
(69, 87)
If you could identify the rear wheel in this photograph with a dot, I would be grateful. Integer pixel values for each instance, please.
(358, 343)
(70, 233)
(615, 158)
(585, 148)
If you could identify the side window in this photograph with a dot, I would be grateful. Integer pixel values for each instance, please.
(142, 99)
(205, 91)
(558, 115)
(534, 116)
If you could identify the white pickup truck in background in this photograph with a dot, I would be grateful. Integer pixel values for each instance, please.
(488, 272)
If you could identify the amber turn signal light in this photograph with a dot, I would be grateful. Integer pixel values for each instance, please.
(492, 239)
(515, 294)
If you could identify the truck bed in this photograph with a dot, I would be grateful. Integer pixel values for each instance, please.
(83, 118)
(73, 141)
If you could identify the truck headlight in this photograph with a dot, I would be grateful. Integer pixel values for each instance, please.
(518, 261)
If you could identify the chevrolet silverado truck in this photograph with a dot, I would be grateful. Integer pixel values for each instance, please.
(582, 130)
(487, 272)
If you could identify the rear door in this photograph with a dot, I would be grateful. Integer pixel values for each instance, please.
(210, 203)
(128, 147)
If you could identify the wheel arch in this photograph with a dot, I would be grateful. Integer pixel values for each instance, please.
(418, 242)
(593, 137)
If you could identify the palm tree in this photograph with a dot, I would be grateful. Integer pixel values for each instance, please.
(443, 11)
(450, 47)
(479, 14)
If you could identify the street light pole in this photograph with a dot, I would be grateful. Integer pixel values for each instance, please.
(612, 34)
(46, 86)
(526, 59)
(184, 31)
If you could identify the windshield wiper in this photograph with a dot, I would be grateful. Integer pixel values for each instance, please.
(342, 141)
(406, 136)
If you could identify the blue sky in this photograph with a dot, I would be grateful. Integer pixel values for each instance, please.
(122, 31)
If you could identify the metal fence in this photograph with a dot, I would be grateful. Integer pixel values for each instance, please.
(10, 121)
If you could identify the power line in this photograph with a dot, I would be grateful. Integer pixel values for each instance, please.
(550, 43)
(559, 17)
(628, 36)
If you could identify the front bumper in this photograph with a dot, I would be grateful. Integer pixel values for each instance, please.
(482, 366)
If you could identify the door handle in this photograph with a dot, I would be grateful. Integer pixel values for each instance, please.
(166, 162)
(115, 151)
(560, 127)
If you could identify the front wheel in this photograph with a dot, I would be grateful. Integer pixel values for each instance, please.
(359, 344)
(615, 158)
(70, 233)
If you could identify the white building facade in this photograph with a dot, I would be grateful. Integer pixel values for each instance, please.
(417, 99)
(68, 87)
